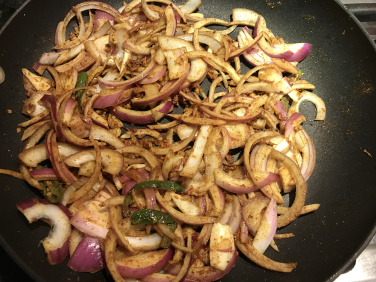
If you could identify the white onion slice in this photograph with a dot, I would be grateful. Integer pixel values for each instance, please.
(56, 244)
(222, 246)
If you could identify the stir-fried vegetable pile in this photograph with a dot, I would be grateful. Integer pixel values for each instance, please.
(147, 172)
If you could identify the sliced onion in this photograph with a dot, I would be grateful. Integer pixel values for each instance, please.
(208, 273)
(190, 6)
(54, 114)
(301, 189)
(294, 119)
(93, 219)
(44, 174)
(137, 49)
(112, 98)
(40, 83)
(154, 75)
(56, 244)
(246, 47)
(38, 153)
(236, 217)
(234, 185)
(213, 43)
(176, 66)
(248, 250)
(88, 256)
(83, 61)
(32, 107)
(112, 161)
(145, 243)
(48, 58)
(132, 116)
(70, 106)
(191, 166)
(190, 219)
(299, 50)
(64, 174)
(252, 211)
(197, 120)
(198, 66)
(135, 79)
(99, 133)
(171, 21)
(164, 93)
(238, 134)
(143, 117)
(246, 118)
(149, 13)
(226, 214)
(305, 144)
(185, 205)
(267, 228)
(101, 16)
(158, 277)
(317, 101)
(141, 265)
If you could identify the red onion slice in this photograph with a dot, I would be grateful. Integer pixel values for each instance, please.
(245, 118)
(234, 185)
(308, 150)
(267, 229)
(88, 256)
(295, 118)
(92, 218)
(154, 75)
(69, 110)
(132, 116)
(135, 79)
(53, 107)
(164, 93)
(56, 244)
(299, 50)
(100, 17)
(112, 99)
(142, 265)
(236, 217)
(64, 174)
(224, 218)
(143, 117)
(44, 174)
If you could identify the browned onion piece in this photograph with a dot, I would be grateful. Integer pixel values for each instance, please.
(301, 189)
(190, 219)
(115, 218)
(28, 178)
(257, 137)
(258, 258)
(84, 189)
(109, 250)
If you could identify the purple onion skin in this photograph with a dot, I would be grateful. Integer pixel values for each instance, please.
(88, 256)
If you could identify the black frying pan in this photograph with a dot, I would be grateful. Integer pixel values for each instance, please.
(342, 65)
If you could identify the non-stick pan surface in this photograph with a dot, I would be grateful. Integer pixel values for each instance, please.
(342, 65)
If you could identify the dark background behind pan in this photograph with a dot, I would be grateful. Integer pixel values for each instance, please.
(342, 65)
